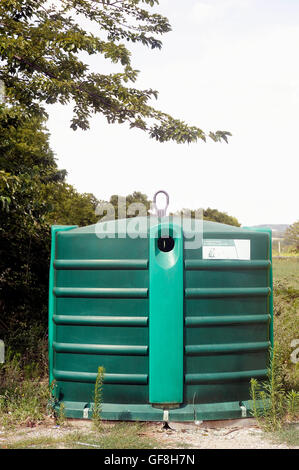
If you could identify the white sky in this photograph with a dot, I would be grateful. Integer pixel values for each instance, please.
(228, 65)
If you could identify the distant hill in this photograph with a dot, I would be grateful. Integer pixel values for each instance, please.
(277, 229)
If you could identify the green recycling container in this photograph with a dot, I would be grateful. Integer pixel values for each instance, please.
(179, 326)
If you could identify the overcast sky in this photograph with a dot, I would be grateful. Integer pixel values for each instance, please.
(228, 65)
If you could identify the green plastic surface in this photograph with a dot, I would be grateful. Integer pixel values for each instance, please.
(166, 296)
(170, 328)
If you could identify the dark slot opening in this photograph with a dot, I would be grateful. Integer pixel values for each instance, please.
(165, 244)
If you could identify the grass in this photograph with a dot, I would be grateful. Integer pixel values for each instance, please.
(287, 270)
(116, 436)
(23, 396)
(281, 391)
(286, 319)
(289, 435)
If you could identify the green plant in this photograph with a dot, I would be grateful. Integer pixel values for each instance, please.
(60, 416)
(23, 396)
(292, 400)
(98, 395)
(271, 403)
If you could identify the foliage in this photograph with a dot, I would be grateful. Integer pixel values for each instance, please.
(8, 184)
(221, 217)
(98, 398)
(272, 404)
(286, 318)
(139, 201)
(24, 144)
(60, 418)
(288, 435)
(42, 47)
(23, 397)
(33, 195)
(121, 205)
(292, 235)
(279, 396)
(68, 207)
(213, 215)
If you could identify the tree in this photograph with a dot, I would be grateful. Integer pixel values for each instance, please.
(68, 207)
(119, 202)
(41, 46)
(214, 215)
(33, 195)
(221, 217)
(122, 203)
(292, 235)
(24, 145)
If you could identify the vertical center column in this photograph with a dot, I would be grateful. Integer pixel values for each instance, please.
(166, 296)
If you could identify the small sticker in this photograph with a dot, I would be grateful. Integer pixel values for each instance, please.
(226, 249)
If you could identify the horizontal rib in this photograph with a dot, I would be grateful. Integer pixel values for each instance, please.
(211, 265)
(194, 293)
(123, 350)
(220, 377)
(225, 320)
(100, 292)
(90, 377)
(198, 350)
(101, 264)
(88, 320)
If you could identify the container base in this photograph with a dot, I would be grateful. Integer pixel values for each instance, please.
(146, 412)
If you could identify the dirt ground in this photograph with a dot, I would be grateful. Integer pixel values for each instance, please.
(232, 434)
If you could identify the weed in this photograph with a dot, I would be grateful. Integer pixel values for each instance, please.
(60, 417)
(23, 396)
(272, 404)
(98, 395)
(288, 434)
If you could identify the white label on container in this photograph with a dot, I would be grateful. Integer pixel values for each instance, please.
(226, 249)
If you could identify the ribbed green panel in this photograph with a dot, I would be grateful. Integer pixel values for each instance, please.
(99, 320)
(225, 376)
(226, 320)
(54, 230)
(227, 292)
(166, 318)
(101, 317)
(126, 350)
(98, 292)
(101, 264)
(212, 265)
(197, 350)
(108, 378)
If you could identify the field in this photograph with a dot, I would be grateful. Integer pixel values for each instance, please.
(286, 317)
(286, 270)
(26, 420)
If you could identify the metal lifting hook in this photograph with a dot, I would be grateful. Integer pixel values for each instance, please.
(160, 212)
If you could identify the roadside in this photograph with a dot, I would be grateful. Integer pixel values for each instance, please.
(76, 434)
